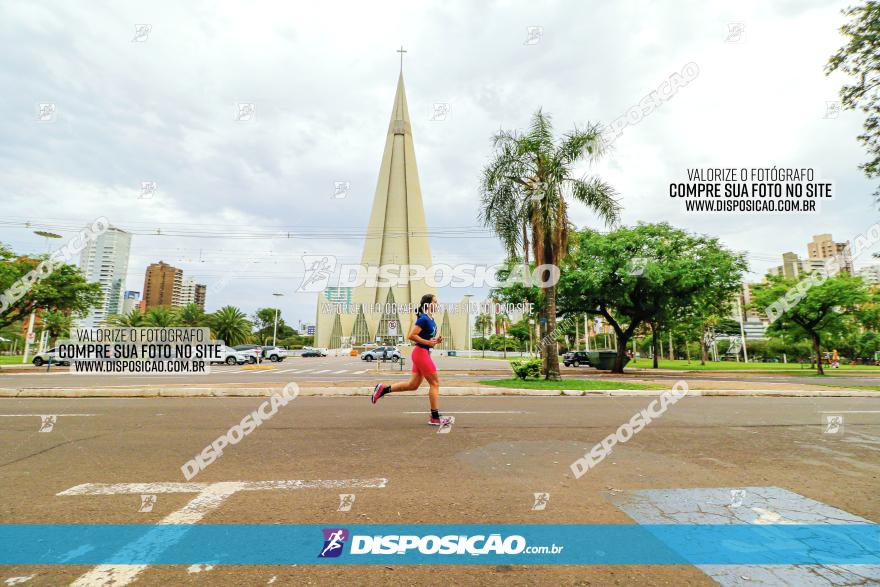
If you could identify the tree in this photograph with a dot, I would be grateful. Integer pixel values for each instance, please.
(503, 322)
(824, 310)
(647, 274)
(191, 315)
(230, 325)
(64, 288)
(264, 324)
(525, 191)
(134, 319)
(860, 58)
(57, 323)
(161, 317)
(482, 323)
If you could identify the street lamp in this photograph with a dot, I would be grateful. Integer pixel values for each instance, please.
(275, 330)
(30, 331)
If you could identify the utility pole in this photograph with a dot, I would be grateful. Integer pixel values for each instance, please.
(742, 330)
(586, 333)
(27, 340)
(275, 329)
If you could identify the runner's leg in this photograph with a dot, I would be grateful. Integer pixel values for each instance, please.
(414, 381)
(434, 390)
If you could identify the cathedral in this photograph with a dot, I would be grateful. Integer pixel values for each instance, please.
(397, 235)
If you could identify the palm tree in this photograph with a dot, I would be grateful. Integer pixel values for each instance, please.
(57, 323)
(191, 315)
(161, 316)
(524, 193)
(230, 325)
(503, 322)
(133, 319)
(482, 323)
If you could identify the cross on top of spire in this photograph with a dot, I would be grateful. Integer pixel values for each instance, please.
(401, 51)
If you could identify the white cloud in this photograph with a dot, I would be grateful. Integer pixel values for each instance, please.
(322, 79)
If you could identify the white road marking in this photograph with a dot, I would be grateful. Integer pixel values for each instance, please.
(322, 371)
(852, 412)
(305, 370)
(18, 580)
(286, 370)
(210, 497)
(192, 569)
(340, 371)
(360, 372)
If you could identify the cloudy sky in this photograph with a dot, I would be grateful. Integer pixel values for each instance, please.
(159, 105)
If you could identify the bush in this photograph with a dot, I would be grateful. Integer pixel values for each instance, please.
(526, 368)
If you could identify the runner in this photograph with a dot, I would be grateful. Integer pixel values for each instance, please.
(424, 335)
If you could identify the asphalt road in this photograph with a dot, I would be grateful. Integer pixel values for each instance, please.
(333, 369)
(500, 452)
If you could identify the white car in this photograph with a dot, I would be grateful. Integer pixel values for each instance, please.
(230, 356)
(49, 355)
(275, 353)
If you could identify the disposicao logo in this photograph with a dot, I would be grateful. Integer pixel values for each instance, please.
(334, 541)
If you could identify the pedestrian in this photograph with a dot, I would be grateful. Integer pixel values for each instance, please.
(424, 335)
(835, 359)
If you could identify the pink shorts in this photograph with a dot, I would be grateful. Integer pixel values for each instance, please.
(422, 362)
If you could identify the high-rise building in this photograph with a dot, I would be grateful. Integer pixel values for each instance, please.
(130, 301)
(793, 267)
(162, 285)
(338, 295)
(191, 293)
(201, 294)
(187, 293)
(870, 273)
(823, 247)
(104, 260)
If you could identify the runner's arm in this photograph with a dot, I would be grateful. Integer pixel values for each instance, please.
(414, 336)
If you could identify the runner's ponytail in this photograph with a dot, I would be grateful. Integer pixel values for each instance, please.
(425, 301)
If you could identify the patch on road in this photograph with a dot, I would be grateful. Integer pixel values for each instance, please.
(749, 505)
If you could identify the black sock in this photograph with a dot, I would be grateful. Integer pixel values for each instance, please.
(435, 414)
(385, 389)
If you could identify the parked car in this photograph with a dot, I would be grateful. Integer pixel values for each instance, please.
(274, 353)
(50, 355)
(385, 353)
(575, 359)
(310, 352)
(250, 351)
(230, 356)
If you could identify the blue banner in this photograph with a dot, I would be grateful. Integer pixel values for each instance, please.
(251, 544)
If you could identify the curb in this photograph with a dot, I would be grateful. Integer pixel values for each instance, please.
(148, 392)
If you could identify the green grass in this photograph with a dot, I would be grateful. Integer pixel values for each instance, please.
(859, 387)
(568, 384)
(13, 360)
(694, 365)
